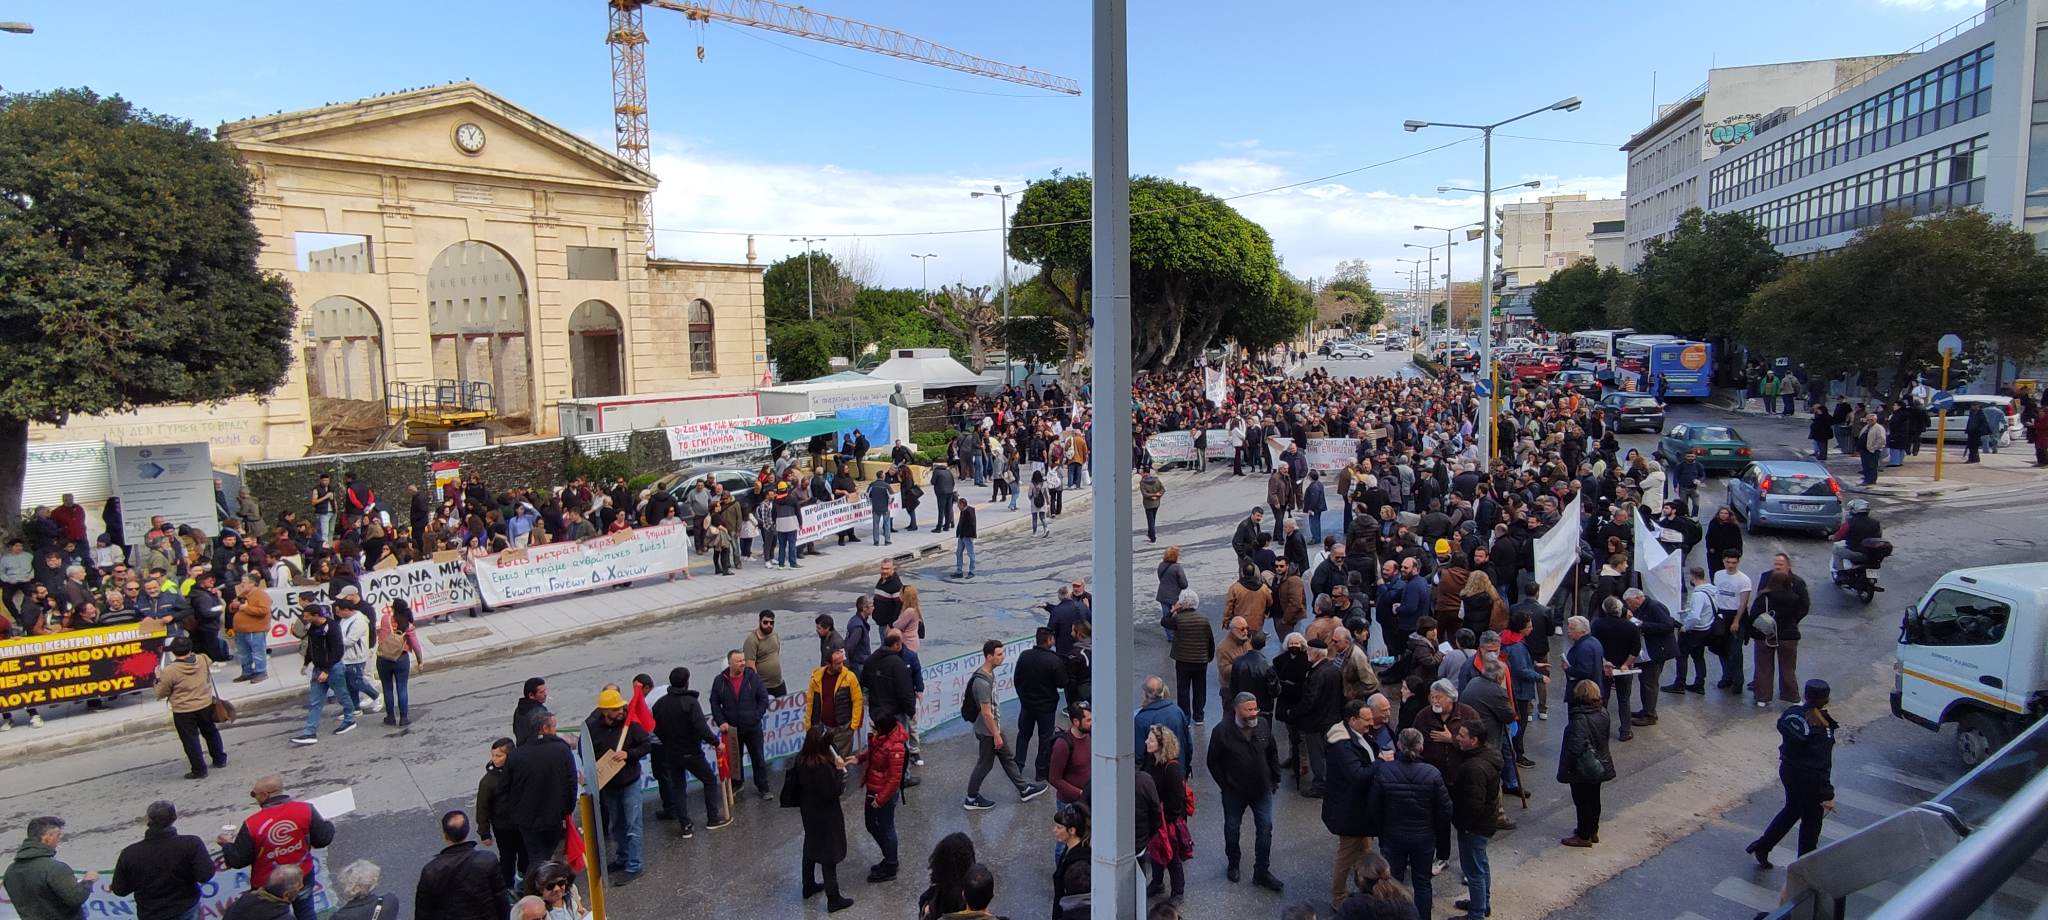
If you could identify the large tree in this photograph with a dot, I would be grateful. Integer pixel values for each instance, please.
(788, 294)
(1349, 298)
(1695, 282)
(1199, 269)
(803, 350)
(970, 316)
(1878, 306)
(128, 270)
(1576, 297)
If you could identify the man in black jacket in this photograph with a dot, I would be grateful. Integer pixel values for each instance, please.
(890, 687)
(1413, 800)
(1660, 639)
(1347, 808)
(1040, 674)
(461, 882)
(532, 705)
(1620, 639)
(1475, 801)
(164, 870)
(739, 702)
(540, 791)
(623, 743)
(1322, 704)
(321, 652)
(1245, 764)
(1252, 673)
(679, 724)
(965, 532)
(1246, 540)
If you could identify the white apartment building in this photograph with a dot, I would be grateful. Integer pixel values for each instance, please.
(1537, 238)
(1666, 160)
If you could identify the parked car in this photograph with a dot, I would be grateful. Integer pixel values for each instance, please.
(1792, 494)
(1534, 366)
(1461, 357)
(736, 481)
(1959, 417)
(1581, 381)
(1395, 341)
(1722, 449)
(1625, 411)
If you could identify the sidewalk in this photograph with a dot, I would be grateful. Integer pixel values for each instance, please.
(2012, 466)
(506, 631)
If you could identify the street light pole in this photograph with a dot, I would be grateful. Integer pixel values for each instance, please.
(810, 298)
(924, 266)
(1429, 309)
(1487, 431)
(1004, 209)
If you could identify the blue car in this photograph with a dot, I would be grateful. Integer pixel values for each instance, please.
(1788, 494)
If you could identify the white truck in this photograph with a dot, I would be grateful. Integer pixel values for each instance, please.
(1974, 652)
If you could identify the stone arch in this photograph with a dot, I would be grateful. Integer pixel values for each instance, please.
(344, 350)
(702, 320)
(597, 351)
(476, 318)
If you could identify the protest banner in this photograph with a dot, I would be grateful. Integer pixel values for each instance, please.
(1215, 386)
(724, 436)
(1557, 551)
(555, 569)
(433, 589)
(215, 894)
(1171, 447)
(446, 472)
(79, 665)
(1219, 444)
(1331, 454)
(826, 518)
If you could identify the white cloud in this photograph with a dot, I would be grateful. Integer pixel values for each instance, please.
(1314, 226)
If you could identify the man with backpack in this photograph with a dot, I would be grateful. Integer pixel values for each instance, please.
(978, 707)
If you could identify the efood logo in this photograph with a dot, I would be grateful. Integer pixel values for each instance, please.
(283, 833)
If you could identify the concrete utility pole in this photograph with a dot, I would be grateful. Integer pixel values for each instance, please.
(924, 266)
(810, 297)
(1004, 209)
(1114, 876)
(1486, 434)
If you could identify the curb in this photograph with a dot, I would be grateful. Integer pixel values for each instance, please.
(287, 695)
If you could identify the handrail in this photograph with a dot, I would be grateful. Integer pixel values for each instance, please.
(1964, 878)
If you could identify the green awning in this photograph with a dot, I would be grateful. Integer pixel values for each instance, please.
(797, 431)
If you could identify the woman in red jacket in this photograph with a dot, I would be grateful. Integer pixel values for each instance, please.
(884, 757)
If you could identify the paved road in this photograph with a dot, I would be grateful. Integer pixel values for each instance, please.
(1688, 786)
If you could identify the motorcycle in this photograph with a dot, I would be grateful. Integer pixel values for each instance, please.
(1861, 580)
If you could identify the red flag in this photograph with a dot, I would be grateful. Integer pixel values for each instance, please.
(572, 846)
(724, 759)
(638, 712)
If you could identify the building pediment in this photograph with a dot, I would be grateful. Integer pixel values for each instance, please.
(457, 128)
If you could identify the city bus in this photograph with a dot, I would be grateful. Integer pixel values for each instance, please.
(1595, 349)
(1687, 368)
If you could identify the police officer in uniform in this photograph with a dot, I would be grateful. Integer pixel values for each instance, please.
(1806, 763)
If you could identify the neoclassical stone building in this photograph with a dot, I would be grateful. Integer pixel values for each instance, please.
(445, 234)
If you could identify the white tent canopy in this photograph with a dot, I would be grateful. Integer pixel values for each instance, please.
(933, 367)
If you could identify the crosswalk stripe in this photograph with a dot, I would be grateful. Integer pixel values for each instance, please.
(1746, 893)
(1903, 778)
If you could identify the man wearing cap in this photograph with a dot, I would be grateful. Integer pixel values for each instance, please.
(1806, 763)
(623, 743)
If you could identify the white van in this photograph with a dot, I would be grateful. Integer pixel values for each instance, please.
(1974, 652)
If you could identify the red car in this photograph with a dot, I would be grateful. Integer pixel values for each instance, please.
(1538, 366)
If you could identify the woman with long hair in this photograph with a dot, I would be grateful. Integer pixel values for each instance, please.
(1724, 538)
(398, 652)
(1482, 603)
(813, 787)
(911, 619)
(951, 862)
(555, 884)
(1166, 855)
(1584, 762)
(1375, 895)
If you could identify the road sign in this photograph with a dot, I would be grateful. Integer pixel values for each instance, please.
(1484, 387)
(1944, 400)
(1951, 344)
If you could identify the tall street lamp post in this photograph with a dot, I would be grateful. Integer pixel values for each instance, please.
(1450, 291)
(1570, 104)
(1429, 309)
(924, 267)
(1003, 207)
(810, 298)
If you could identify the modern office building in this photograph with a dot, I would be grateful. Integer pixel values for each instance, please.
(1667, 159)
(1537, 238)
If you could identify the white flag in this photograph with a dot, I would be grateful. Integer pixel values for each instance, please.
(1661, 569)
(1557, 551)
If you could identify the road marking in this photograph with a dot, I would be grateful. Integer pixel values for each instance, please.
(1746, 893)
(1902, 778)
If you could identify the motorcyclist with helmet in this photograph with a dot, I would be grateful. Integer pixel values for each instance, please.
(1855, 534)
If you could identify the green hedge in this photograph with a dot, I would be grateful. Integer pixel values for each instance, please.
(1431, 366)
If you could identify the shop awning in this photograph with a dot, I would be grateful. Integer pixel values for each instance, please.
(797, 431)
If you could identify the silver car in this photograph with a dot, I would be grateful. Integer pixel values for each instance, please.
(1790, 494)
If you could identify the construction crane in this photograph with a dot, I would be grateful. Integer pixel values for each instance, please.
(628, 42)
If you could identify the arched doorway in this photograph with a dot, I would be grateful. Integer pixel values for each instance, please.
(344, 350)
(597, 351)
(476, 316)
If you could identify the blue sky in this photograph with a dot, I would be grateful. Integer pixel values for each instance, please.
(781, 137)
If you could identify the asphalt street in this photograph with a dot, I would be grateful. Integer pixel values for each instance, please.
(1688, 786)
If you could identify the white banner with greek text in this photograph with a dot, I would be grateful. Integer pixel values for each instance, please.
(702, 439)
(555, 569)
(433, 589)
(827, 518)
